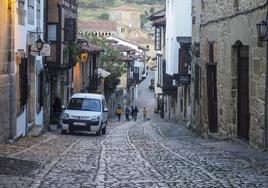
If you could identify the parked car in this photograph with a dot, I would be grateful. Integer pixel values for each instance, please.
(85, 112)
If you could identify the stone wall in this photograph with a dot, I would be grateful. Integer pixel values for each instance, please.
(7, 77)
(224, 25)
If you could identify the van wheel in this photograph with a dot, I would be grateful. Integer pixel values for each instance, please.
(63, 131)
(103, 131)
(99, 132)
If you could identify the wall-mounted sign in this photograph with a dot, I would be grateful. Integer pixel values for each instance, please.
(183, 79)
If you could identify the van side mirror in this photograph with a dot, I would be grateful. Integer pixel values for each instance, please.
(63, 107)
(105, 110)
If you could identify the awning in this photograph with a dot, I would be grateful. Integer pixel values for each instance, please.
(103, 73)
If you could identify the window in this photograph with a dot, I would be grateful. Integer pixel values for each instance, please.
(123, 30)
(211, 53)
(236, 5)
(38, 12)
(21, 13)
(40, 90)
(157, 38)
(136, 70)
(23, 82)
(70, 29)
(31, 12)
(203, 6)
(85, 104)
(51, 32)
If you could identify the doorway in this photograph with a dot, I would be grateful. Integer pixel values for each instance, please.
(243, 117)
(212, 98)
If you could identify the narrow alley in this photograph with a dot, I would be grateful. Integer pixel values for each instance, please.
(151, 153)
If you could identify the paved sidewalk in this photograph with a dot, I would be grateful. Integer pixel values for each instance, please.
(234, 146)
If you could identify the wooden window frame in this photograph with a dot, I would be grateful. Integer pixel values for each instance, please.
(158, 39)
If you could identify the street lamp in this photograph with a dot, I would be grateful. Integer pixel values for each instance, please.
(39, 44)
(262, 28)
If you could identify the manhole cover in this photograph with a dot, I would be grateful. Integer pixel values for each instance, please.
(16, 167)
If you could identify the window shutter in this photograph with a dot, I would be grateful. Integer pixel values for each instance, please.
(157, 38)
(70, 29)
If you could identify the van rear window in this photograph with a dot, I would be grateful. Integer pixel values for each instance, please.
(85, 104)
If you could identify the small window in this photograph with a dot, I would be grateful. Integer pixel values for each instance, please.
(70, 29)
(211, 53)
(52, 32)
(40, 90)
(236, 4)
(136, 70)
(158, 38)
(31, 12)
(123, 30)
(203, 6)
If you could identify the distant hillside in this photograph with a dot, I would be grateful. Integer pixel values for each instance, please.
(98, 9)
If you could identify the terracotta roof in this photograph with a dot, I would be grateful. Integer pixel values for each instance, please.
(87, 46)
(121, 48)
(97, 25)
(157, 14)
(124, 58)
(125, 8)
(160, 22)
(186, 40)
(130, 41)
(134, 56)
(91, 48)
(142, 40)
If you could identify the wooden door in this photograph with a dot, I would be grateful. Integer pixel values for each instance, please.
(212, 98)
(243, 93)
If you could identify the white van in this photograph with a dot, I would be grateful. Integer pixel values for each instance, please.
(85, 112)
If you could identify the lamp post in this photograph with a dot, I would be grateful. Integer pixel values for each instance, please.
(39, 45)
(262, 28)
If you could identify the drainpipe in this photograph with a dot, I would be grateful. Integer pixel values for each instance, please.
(266, 99)
(266, 102)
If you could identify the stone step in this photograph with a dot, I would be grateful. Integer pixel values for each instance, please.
(37, 130)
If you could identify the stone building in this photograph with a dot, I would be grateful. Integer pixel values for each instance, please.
(29, 65)
(98, 28)
(231, 90)
(126, 17)
(61, 32)
(7, 71)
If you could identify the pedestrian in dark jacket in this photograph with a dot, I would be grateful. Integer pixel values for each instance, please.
(132, 113)
(127, 112)
(136, 111)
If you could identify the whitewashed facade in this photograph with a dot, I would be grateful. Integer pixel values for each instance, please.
(28, 28)
(178, 23)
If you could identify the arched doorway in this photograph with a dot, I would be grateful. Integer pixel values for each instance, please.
(242, 65)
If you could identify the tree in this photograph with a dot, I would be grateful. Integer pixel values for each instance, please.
(108, 62)
(151, 10)
(104, 16)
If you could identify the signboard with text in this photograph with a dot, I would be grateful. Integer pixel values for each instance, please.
(183, 79)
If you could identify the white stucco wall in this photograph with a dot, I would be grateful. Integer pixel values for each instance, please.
(178, 23)
(26, 35)
(123, 42)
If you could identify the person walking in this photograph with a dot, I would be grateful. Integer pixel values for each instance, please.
(132, 113)
(119, 112)
(144, 113)
(136, 111)
(127, 112)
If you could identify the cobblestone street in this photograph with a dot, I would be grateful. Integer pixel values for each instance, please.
(150, 153)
